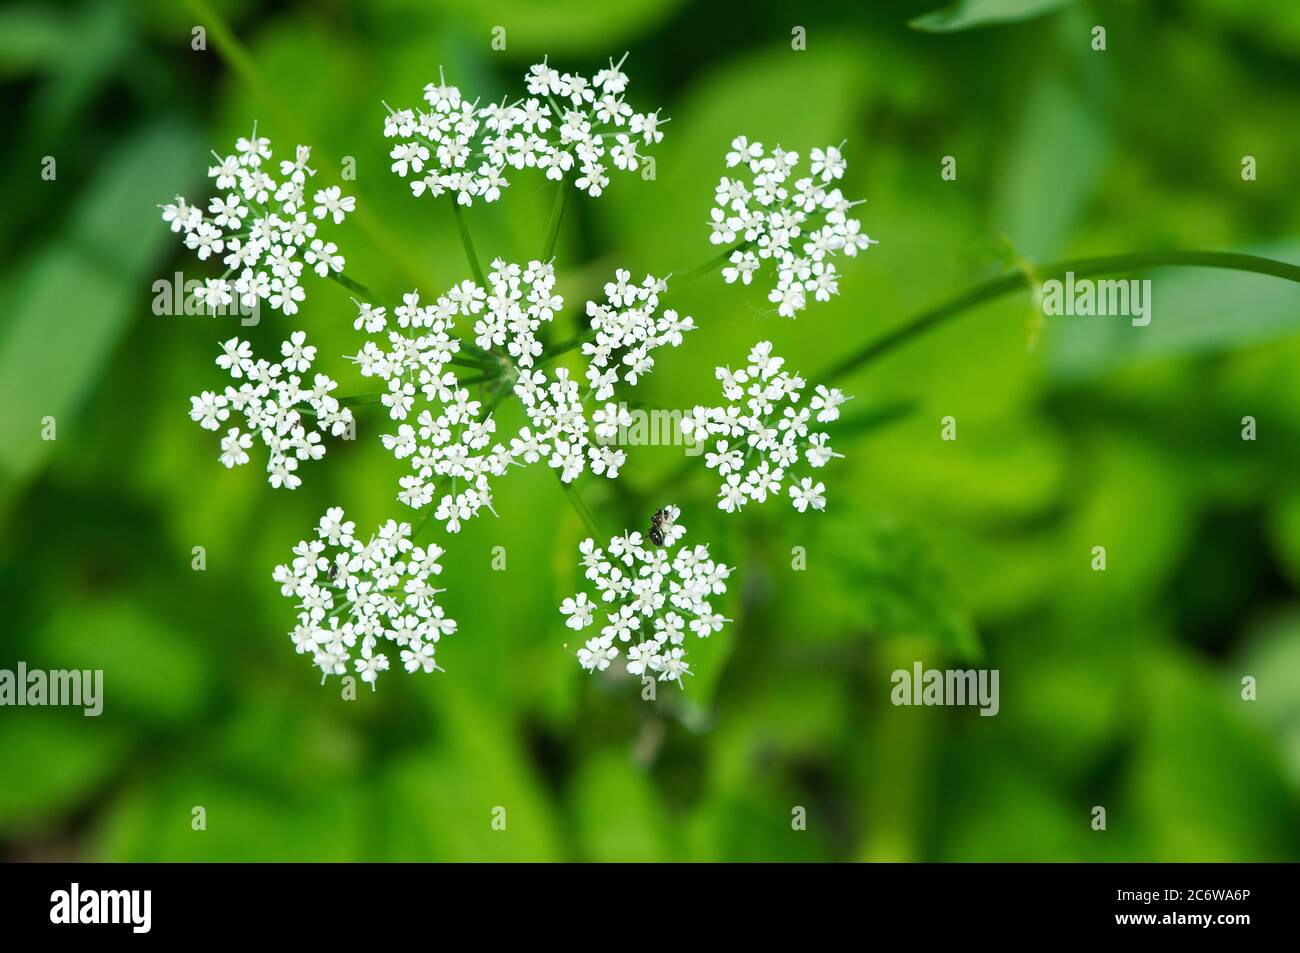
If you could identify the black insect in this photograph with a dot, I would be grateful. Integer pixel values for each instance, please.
(657, 527)
(334, 571)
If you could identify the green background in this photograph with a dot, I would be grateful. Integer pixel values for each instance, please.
(1119, 688)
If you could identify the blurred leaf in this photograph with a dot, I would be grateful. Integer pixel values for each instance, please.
(966, 14)
(148, 669)
(1272, 22)
(1193, 311)
(1053, 165)
(71, 305)
(445, 812)
(1133, 504)
(1272, 657)
(1284, 527)
(616, 812)
(31, 37)
(879, 580)
(153, 823)
(1206, 787)
(52, 760)
(561, 27)
(1009, 813)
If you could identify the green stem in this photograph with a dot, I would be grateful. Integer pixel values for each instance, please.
(468, 242)
(490, 375)
(701, 270)
(553, 353)
(351, 285)
(356, 400)
(415, 533)
(581, 509)
(350, 400)
(557, 215)
(1082, 267)
(481, 359)
(483, 365)
(867, 421)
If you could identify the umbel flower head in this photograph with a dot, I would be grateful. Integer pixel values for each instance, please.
(272, 399)
(449, 438)
(764, 432)
(647, 600)
(450, 443)
(263, 229)
(627, 328)
(801, 226)
(565, 124)
(353, 595)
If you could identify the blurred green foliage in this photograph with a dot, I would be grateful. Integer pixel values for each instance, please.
(1120, 688)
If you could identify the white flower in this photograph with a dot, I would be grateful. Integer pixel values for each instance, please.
(597, 654)
(451, 446)
(331, 201)
(567, 122)
(763, 433)
(827, 402)
(578, 610)
(806, 494)
(273, 400)
(829, 164)
(797, 222)
(351, 595)
(261, 226)
(647, 593)
(234, 447)
(297, 353)
(209, 410)
(334, 530)
(625, 331)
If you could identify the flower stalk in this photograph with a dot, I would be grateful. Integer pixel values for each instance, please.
(994, 288)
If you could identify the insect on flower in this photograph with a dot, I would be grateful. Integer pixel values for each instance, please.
(657, 527)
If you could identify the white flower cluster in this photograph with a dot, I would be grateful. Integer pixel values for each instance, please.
(272, 399)
(452, 439)
(559, 431)
(759, 443)
(626, 329)
(651, 600)
(772, 220)
(351, 594)
(260, 227)
(566, 122)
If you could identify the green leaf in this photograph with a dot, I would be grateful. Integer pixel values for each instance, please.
(1272, 658)
(562, 27)
(72, 304)
(445, 811)
(968, 14)
(876, 576)
(31, 37)
(52, 760)
(1207, 786)
(243, 824)
(617, 812)
(147, 668)
(1053, 166)
(1193, 311)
